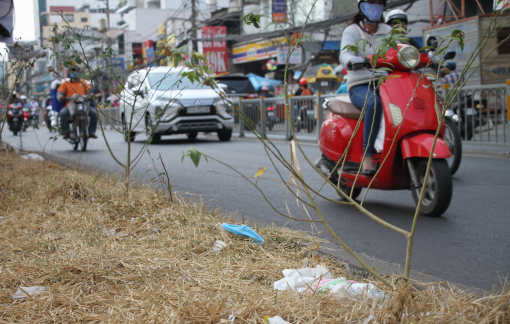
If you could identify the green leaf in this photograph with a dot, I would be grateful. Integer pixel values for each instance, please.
(194, 155)
(200, 56)
(78, 60)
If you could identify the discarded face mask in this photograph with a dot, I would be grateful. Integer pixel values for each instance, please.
(32, 291)
(243, 230)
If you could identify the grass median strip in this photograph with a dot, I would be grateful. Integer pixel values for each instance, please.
(107, 257)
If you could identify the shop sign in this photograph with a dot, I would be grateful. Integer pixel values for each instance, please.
(161, 31)
(262, 50)
(148, 51)
(295, 56)
(215, 51)
(498, 4)
(279, 11)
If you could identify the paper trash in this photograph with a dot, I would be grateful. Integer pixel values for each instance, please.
(218, 246)
(275, 320)
(33, 156)
(32, 291)
(319, 280)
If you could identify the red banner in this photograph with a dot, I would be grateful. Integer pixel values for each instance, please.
(216, 51)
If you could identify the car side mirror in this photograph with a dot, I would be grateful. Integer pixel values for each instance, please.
(449, 55)
(138, 93)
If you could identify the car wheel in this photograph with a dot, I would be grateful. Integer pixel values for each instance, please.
(225, 136)
(192, 135)
(125, 130)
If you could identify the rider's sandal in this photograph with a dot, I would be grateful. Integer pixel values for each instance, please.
(371, 172)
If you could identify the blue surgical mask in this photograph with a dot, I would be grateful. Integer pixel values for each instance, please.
(74, 75)
(372, 11)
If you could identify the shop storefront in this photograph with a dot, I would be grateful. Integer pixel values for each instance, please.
(265, 57)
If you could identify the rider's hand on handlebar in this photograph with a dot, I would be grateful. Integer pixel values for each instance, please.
(357, 63)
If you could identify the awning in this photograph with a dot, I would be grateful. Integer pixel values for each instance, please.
(258, 82)
(331, 46)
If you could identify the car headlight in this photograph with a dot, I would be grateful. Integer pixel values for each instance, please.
(408, 56)
(223, 108)
(165, 111)
(396, 114)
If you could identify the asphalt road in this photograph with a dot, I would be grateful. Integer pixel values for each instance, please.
(469, 244)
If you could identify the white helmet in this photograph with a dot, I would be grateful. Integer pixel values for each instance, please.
(23, 97)
(396, 14)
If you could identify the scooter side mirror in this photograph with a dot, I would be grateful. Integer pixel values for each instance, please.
(449, 55)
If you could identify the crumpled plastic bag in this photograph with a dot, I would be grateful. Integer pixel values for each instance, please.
(33, 156)
(243, 230)
(302, 279)
(320, 280)
(32, 291)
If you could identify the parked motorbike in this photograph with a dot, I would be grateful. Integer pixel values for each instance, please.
(305, 118)
(26, 118)
(405, 162)
(34, 117)
(271, 118)
(52, 119)
(15, 118)
(78, 121)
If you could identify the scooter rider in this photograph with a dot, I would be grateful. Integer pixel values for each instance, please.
(396, 16)
(24, 103)
(367, 24)
(75, 86)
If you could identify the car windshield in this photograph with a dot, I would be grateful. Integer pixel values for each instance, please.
(172, 81)
(237, 84)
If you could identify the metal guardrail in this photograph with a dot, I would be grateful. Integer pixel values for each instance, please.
(109, 117)
(483, 113)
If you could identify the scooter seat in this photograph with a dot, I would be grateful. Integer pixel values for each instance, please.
(343, 106)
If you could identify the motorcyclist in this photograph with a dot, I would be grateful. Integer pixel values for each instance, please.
(367, 24)
(303, 90)
(24, 103)
(448, 74)
(265, 92)
(396, 16)
(75, 86)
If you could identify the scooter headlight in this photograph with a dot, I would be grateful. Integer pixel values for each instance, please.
(396, 114)
(408, 56)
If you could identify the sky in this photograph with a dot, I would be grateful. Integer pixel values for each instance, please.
(24, 27)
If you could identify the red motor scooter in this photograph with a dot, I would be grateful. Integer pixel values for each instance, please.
(405, 162)
(26, 118)
(15, 118)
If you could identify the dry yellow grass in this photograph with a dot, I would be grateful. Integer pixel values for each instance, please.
(159, 267)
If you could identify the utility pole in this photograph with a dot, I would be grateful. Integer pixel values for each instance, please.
(109, 39)
(194, 44)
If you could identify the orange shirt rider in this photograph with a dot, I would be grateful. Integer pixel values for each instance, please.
(70, 88)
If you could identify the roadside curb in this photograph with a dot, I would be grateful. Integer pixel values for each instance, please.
(385, 268)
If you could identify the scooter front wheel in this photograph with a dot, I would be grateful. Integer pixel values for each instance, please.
(439, 188)
(454, 142)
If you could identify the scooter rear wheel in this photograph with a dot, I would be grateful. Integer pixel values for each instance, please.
(438, 192)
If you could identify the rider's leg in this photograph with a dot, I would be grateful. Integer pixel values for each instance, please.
(358, 95)
(93, 121)
(64, 121)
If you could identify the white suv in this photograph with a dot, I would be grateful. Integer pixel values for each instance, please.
(181, 107)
